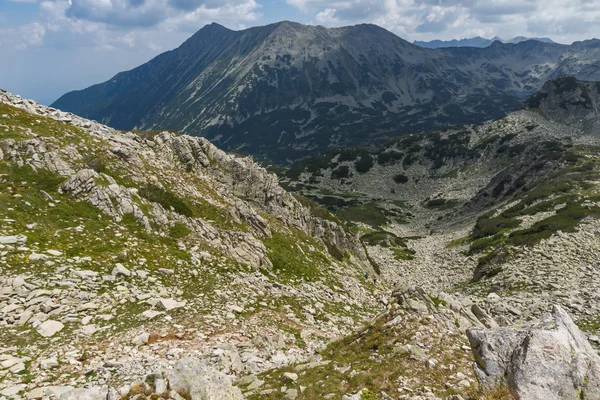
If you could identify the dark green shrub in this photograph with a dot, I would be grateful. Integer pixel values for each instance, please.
(95, 162)
(400, 178)
(389, 157)
(340, 172)
(166, 199)
(367, 213)
(364, 164)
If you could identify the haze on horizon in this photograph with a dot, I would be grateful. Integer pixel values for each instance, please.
(50, 47)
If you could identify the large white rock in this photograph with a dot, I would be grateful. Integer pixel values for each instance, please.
(169, 304)
(553, 361)
(85, 394)
(13, 239)
(50, 328)
(201, 382)
(120, 269)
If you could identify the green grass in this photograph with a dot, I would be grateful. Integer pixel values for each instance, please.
(19, 121)
(368, 213)
(563, 190)
(316, 209)
(293, 258)
(566, 220)
(440, 204)
(590, 324)
(179, 230)
(389, 240)
(457, 242)
(487, 225)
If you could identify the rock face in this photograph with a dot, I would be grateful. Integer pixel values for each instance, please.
(198, 381)
(552, 361)
(282, 90)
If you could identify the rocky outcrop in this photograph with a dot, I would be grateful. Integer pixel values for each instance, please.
(164, 246)
(571, 101)
(37, 154)
(245, 185)
(188, 379)
(251, 182)
(102, 191)
(552, 360)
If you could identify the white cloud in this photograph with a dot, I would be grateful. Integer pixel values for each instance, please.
(565, 20)
(126, 24)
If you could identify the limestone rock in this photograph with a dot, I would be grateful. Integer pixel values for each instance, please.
(201, 382)
(169, 304)
(552, 361)
(50, 328)
(84, 394)
(120, 269)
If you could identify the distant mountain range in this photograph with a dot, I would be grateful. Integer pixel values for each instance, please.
(476, 41)
(286, 90)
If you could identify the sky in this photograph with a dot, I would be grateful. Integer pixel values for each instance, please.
(50, 47)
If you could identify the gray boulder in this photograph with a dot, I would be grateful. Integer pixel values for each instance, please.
(85, 394)
(195, 380)
(550, 361)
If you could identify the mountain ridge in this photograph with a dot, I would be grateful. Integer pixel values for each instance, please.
(287, 90)
(476, 41)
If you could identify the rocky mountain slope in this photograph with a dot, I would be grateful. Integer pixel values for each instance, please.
(286, 90)
(122, 252)
(471, 209)
(151, 265)
(476, 41)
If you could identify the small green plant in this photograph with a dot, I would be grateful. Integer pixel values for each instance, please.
(290, 258)
(368, 213)
(367, 395)
(340, 172)
(179, 230)
(440, 204)
(95, 162)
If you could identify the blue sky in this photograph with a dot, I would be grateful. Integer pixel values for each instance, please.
(50, 47)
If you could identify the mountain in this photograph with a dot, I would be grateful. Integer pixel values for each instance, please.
(476, 41)
(569, 101)
(286, 90)
(151, 264)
